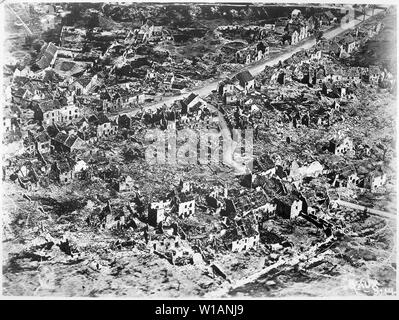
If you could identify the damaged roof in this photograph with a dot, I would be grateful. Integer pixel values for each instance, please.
(84, 80)
(49, 105)
(190, 98)
(46, 56)
(246, 227)
(42, 137)
(244, 76)
(61, 137)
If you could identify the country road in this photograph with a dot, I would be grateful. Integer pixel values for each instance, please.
(257, 68)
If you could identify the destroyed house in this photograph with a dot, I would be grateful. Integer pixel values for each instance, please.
(265, 165)
(374, 74)
(349, 44)
(375, 180)
(29, 144)
(156, 213)
(324, 46)
(263, 47)
(162, 204)
(184, 186)
(268, 208)
(214, 199)
(104, 126)
(83, 84)
(62, 171)
(229, 209)
(219, 192)
(26, 175)
(245, 80)
(97, 105)
(43, 142)
(80, 169)
(243, 237)
(301, 73)
(172, 244)
(333, 198)
(248, 55)
(339, 91)
(311, 22)
(186, 208)
(351, 178)
(274, 186)
(310, 204)
(196, 109)
(19, 95)
(230, 98)
(294, 37)
(11, 117)
(280, 77)
(63, 142)
(47, 112)
(225, 87)
(142, 36)
(114, 216)
(46, 56)
(36, 90)
(335, 48)
(69, 112)
(354, 75)
(156, 33)
(87, 134)
(251, 200)
(340, 147)
(155, 217)
(124, 121)
(169, 80)
(305, 30)
(292, 26)
(124, 183)
(70, 129)
(288, 206)
(192, 100)
(316, 55)
(318, 76)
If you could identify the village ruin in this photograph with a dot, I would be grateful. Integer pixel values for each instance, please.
(198, 150)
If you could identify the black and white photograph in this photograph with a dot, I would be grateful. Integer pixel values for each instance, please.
(198, 150)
